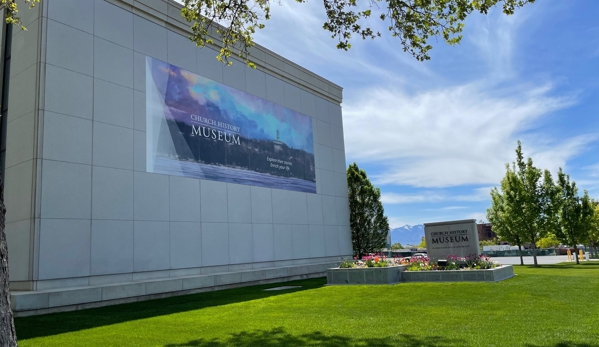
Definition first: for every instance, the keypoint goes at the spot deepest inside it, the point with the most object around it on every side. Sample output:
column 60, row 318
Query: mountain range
column 407, row 234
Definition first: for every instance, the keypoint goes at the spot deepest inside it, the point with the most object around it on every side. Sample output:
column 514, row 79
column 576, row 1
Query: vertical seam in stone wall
column 251, row 222
column 308, row 225
column 200, row 222
column 35, row 231
column 168, row 223
column 91, row 181
column 272, row 226
column 168, row 176
column 146, row 126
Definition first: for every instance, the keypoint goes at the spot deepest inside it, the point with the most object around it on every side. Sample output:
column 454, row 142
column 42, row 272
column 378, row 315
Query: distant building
column 485, row 232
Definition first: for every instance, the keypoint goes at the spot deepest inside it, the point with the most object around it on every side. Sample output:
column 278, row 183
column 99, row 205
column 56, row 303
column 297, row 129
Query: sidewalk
column 528, row 260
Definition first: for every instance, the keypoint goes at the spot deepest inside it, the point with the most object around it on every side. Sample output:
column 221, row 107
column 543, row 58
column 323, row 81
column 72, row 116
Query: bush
column 471, row 262
column 479, row 262
column 347, row 264
column 452, row 265
column 381, row 263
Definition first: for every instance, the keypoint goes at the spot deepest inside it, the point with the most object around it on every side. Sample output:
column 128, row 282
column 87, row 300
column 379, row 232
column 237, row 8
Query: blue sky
column 435, row 135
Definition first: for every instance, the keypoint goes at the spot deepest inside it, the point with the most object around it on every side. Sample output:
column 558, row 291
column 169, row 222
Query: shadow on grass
column 566, row 344
column 278, row 337
column 567, row 266
column 59, row 323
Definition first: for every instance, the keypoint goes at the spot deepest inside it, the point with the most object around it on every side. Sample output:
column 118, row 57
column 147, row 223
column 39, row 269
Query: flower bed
column 370, row 262
column 381, row 270
column 454, row 263
column 368, row 270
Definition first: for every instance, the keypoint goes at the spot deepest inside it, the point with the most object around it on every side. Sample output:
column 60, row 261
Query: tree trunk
column 8, row 335
column 534, row 253
column 520, row 251
column 576, row 253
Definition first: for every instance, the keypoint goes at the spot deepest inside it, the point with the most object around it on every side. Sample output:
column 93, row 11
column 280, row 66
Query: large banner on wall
column 203, row 129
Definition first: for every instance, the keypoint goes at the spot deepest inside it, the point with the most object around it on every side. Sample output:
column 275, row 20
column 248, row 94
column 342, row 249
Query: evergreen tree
column 369, row 225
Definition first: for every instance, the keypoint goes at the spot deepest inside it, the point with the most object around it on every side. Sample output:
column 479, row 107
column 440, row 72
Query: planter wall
column 375, row 275
column 491, row 275
column 396, row 274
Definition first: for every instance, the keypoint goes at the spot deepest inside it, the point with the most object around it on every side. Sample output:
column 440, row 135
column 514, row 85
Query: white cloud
column 447, row 208
column 460, row 134
column 295, row 31
column 395, row 222
column 495, row 38
column 593, row 170
column 393, row 198
column 478, row 194
column 452, row 136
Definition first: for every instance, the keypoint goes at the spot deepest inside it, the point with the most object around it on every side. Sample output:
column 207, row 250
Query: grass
column 551, row 306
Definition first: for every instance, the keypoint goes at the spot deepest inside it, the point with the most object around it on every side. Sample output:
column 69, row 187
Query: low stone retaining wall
column 490, row 275
column 397, row 274
column 31, row 303
column 373, row 275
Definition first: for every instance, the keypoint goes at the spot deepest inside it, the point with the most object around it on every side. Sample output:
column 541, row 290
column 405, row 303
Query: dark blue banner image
column 203, row 129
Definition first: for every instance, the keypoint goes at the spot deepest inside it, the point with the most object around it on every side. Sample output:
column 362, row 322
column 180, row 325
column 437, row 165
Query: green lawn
column 555, row 306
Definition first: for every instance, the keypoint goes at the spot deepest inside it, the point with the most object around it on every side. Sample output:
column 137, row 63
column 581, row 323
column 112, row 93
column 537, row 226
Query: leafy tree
column 550, row 240
column 422, row 243
column 396, row 246
column 413, row 22
column 574, row 213
column 525, row 201
column 369, row 225
column 502, row 223
column 12, row 10
column 594, row 231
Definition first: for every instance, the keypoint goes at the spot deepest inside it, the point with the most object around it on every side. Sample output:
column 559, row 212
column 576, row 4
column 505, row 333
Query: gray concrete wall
column 23, row 121
column 79, row 198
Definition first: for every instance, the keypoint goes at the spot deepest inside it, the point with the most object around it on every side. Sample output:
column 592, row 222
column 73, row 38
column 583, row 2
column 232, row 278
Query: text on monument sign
column 457, row 238
column 449, row 236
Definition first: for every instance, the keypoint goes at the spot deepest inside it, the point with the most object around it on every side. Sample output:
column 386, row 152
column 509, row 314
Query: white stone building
column 88, row 224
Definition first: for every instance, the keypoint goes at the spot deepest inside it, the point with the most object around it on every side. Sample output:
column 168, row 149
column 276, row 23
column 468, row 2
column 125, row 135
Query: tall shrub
column 369, row 225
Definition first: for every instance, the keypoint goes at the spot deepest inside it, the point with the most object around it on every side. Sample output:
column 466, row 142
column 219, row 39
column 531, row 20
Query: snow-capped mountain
column 407, row 234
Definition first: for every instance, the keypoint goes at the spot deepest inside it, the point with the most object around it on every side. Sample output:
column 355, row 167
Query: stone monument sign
column 459, row 238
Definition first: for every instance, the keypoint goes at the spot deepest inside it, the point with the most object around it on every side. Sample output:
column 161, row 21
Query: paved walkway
column 528, row 260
